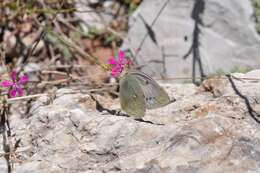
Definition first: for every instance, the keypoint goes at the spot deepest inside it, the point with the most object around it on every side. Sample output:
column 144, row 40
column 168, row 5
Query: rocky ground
column 211, row 128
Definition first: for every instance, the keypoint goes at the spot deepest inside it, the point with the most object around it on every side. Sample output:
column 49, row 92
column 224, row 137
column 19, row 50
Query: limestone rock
column 92, row 19
column 202, row 132
column 213, row 31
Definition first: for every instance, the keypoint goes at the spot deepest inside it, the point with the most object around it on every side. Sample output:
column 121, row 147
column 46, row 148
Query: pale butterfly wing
column 131, row 96
column 155, row 95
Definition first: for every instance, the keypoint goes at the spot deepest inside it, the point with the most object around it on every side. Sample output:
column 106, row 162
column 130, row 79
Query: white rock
column 228, row 38
column 65, row 136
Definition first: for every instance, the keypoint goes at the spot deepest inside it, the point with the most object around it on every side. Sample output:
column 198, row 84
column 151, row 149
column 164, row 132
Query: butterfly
column 139, row 92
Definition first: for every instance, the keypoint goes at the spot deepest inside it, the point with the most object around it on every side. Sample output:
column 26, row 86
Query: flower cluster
column 15, row 85
column 118, row 64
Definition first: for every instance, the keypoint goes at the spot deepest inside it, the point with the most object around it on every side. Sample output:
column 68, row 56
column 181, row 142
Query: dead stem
column 6, row 133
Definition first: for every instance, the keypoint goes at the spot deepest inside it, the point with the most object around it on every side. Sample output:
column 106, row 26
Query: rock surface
column 212, row 31
column 208, row 129
column 97, row 20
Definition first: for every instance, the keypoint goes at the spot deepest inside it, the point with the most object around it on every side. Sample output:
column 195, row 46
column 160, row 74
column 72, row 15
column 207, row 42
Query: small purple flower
column 118, row 64
column 15, row 85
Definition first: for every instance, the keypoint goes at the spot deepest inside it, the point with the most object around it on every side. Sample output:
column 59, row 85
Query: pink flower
column 118, row 64
column 15, row 85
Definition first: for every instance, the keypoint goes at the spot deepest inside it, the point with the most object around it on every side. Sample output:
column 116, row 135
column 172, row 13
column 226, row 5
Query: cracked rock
column 202, row 133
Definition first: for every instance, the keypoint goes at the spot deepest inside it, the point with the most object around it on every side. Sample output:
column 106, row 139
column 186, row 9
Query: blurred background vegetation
column 46, row 40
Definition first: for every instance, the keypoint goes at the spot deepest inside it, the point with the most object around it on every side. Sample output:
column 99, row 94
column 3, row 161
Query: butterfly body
column 139, row 92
